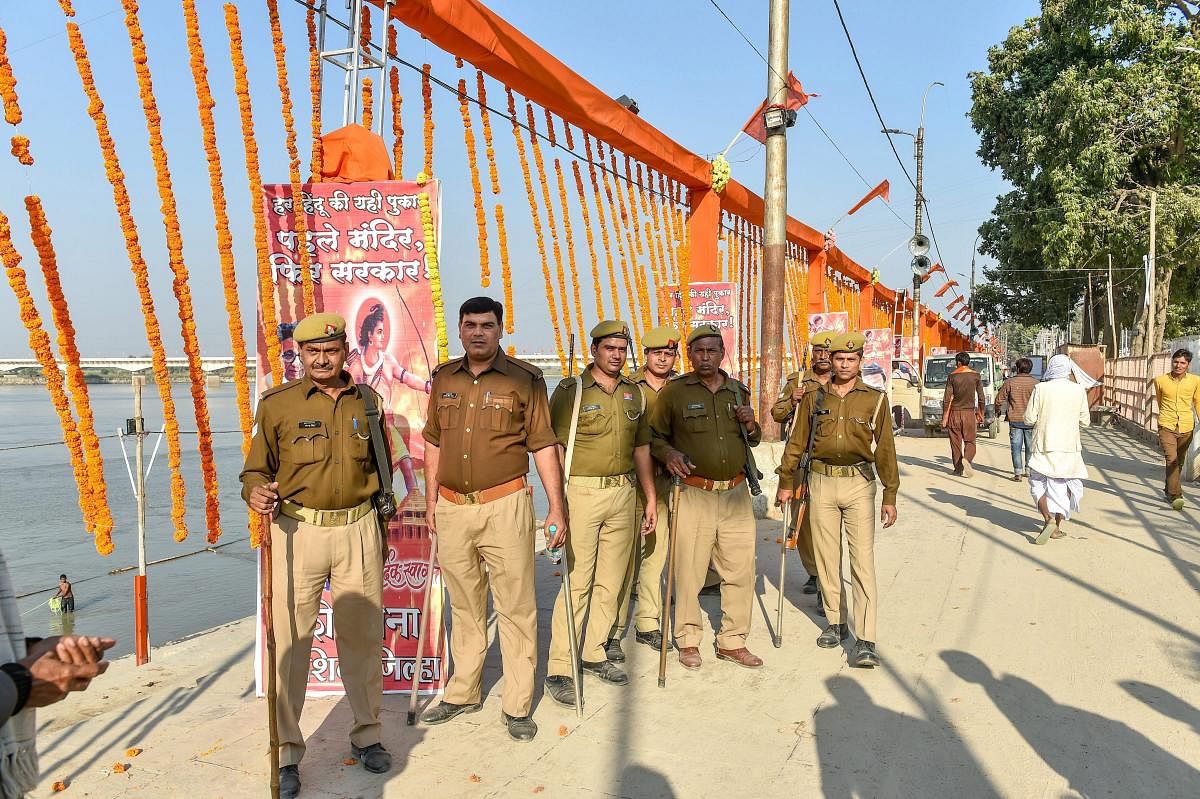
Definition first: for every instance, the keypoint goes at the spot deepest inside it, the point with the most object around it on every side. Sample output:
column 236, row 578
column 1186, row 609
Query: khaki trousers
column 714, row 527
column 599, row 544
column 304, row 556
column 501, row 533
column 962, row 429
column 804, row 541
column 1175, row 447
column 649, row 555
column 849, row 500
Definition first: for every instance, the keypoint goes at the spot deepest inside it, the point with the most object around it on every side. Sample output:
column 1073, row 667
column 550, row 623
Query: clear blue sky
column 692, row 75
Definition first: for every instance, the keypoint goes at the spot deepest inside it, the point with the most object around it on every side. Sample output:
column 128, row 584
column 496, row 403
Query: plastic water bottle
column 553, row 553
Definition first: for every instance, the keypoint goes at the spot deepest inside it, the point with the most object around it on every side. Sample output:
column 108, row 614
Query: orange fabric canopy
column 354, row 154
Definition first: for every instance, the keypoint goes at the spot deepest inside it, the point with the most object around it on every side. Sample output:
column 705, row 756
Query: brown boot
column 741, row 656
column 689, row 657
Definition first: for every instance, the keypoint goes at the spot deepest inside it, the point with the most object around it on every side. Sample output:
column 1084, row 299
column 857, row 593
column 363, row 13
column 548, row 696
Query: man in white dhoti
column 1057, row 409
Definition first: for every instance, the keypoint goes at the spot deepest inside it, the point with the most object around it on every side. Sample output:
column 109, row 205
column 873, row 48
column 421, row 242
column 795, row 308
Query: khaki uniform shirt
column 701, row 424
column 486, row 426
column 317, row 447
column 781, row 411
column 844, row 435
column 610, row 425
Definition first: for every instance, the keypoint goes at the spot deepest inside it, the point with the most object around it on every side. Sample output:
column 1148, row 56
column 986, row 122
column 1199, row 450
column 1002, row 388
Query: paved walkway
column 1010, row 670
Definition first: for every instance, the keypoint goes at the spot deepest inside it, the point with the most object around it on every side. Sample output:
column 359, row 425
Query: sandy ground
column 1010, row 670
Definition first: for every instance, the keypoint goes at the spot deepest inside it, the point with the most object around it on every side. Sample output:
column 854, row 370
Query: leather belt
column 605, row 481
column 714, row 485
column 484, row 495
column 831, row 470
column 325, row 518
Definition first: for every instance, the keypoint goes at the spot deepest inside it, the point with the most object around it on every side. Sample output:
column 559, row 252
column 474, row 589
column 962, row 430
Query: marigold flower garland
column 8, row 84
column 608, row 259
column 397, row 100
column 685, row 295
column 431, row 264
column 633, row 233
column 20, row 150
column 137, row 263
column 100, row 521
column 617, row 234
column 587, row 224
column 233, row 310
column 314, row 88
column 485, row 124
column 485, row 276
column 266, row 283
column 427, row 99
column 537, row 227
column 551, row 221
column 629, row 186
column 485, row 121
column 39, row 342
column 368, row 102
column 66, row 7
column 300, row 220
column 568, row 233
column 505, row 269
column 183, row 292
column 668, row 209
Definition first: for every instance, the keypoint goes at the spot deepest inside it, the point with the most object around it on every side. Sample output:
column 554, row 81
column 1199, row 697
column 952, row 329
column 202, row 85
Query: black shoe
column 810, row 587
column 606, row 670
column 289, row 782
column 711, row 590
column 561, row 689
column 444, row 711
column 519, row 728
column 834, row 634
column 652, row 639
column 613, row 651
column 864, row 655
column 374, row 758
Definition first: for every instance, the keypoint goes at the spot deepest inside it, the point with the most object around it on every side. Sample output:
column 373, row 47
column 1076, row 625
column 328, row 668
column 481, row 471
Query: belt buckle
column 470, row 499
column 338, row 517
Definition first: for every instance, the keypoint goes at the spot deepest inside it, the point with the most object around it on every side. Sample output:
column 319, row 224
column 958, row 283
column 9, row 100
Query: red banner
column 877, row 358
column 712, row 303
column 368, row 245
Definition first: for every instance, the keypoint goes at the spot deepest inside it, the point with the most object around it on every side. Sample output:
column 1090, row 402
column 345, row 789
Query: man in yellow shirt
column 1178, row 394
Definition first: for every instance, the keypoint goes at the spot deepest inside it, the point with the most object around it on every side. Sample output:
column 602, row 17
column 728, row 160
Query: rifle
column 749, row 468
column 791, row 527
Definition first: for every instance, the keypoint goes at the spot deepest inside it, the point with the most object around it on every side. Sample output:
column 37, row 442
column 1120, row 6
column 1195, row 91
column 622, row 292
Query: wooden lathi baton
column 272, row 658
column 421, row 625
column 665, row 625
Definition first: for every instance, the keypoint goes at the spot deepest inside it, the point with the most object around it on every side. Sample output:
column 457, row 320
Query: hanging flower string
column 8, row 84
column 397, row 100
column 485, row 123
column 587, row 224
column 299, row 220
column 633, row 210
column 505, row 269
column 368, row 102
column 537, row 227
column 485, row 275
column 431, row 264
column 568, row 233
column 20, row 150
column 608, row 259
column 137, row 263
column 427, row 99
column 551, row 221
column 39, row 231
column 617, row 235
column 314, row 88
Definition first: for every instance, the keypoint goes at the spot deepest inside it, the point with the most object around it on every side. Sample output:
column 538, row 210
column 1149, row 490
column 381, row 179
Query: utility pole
column 1151, row 275
column 1112, row 316
column 974, row 247
column 774, row 222
column 1091, row 337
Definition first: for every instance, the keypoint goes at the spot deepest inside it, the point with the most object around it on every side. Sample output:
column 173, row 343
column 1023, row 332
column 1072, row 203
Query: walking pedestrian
column 611, row 453
column 783, row 412
column 963, row 406
column 487, row 412
column 660, row 348
column 311, row 462
column 1057, row 409
column 1015, row 394
column 697, row 429
column 1178, row 395
column 853, row 442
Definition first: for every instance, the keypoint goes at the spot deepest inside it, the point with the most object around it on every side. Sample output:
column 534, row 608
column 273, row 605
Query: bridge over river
column 210, row 364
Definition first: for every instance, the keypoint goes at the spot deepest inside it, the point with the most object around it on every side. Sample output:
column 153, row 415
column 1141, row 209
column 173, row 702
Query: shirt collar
column 588, row 379
column 307, row 384
column 500, row 363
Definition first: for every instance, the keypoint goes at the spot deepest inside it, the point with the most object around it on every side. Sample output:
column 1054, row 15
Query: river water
column 42, row 534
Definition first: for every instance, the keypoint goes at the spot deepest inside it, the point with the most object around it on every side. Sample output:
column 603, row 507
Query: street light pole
column 974, row 248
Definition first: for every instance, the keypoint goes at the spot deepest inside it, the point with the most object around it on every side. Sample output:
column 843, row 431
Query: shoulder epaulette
column 443, row 365
column 270, row 392
column 794, row 376
column 527, row 366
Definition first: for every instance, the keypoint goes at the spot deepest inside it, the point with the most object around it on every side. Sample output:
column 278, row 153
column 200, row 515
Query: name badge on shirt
column 449, row 395
column 310, row 424
column 590, row 408
column 695, row 406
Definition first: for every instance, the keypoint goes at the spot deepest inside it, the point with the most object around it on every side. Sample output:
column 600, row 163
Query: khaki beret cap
column 847, row 342
column 610, row 328
column 703, row 331
column 659, row 337
column 319, row 327
column 823, row 339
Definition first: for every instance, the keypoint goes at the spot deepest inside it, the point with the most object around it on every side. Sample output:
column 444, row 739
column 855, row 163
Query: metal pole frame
column 354, row 59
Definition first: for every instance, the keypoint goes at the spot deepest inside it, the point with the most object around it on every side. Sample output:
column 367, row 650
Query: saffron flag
column 946, row 288
column 935, row 268
column 883, row 190
column 756, row 129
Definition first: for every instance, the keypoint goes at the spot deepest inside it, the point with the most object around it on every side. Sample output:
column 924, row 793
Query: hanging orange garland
column 587, row 225
column 685, row 294
column 397, row 101
column 551, row 221
column 300, row 221
column 431, row 265
column 633, row 209
column 608, row 259
column 505, row 269
column 668, row 211
column 537, row 227
column 66, row 7
column 40, row 233
column 485, row 275
column 39, row 342
column 137, row 264
column 368, row 103
column 486, row 124
column 617, row 234
column 633, row 234
column 8, row 84
column 568, row 233
column 314, row 88
column 20, row 150
column 364, row 29
column 427, row 99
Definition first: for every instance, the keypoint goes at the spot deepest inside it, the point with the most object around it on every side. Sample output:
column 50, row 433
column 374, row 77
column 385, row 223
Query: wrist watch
column 22, row 679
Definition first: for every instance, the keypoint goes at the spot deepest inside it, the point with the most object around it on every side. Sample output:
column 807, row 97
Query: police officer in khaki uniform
column 853, row 441
column 611, row 453
column 487, row 412
column 782, row 412
column 311, row 461
column 660, row 347
column 696, row 427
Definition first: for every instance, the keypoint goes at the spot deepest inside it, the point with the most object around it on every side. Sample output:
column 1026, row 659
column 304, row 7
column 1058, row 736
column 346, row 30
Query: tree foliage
column 1085, row 109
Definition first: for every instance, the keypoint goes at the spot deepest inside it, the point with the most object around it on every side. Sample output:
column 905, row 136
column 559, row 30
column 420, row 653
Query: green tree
column 1086, row 110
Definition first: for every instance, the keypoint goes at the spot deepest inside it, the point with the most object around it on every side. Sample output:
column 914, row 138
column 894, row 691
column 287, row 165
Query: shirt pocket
column 593, row 420
column 449, row 410
column 696, row 420
column 360, row 446
column 499, row 413
column 306, row 448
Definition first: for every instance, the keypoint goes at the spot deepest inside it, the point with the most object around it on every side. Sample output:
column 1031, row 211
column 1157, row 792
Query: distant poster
column 877, row 357
column 906, row 349
column 831, row 322
column 712, row 303
column 367, row 244
column 939, row 351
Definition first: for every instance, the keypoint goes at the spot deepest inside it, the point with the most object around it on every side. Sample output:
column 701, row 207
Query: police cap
column 703, row 331
column 823, row 339
column 847, row 342
column 319, row 327
column 660, row 338
column 610, row 329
